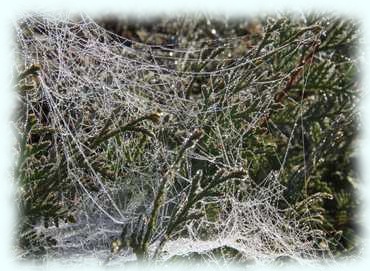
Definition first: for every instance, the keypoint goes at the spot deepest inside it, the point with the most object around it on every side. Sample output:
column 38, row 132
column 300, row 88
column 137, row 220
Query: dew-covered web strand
column 77, row 143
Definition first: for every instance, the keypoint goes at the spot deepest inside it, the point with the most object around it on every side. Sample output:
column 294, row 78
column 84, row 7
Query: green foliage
column 37, row 171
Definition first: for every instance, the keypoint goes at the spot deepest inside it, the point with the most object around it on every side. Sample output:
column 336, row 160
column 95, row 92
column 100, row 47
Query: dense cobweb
column 89, row 76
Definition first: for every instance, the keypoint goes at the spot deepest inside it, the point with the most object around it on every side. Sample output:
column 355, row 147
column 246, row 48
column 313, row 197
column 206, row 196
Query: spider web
column 90, row 75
